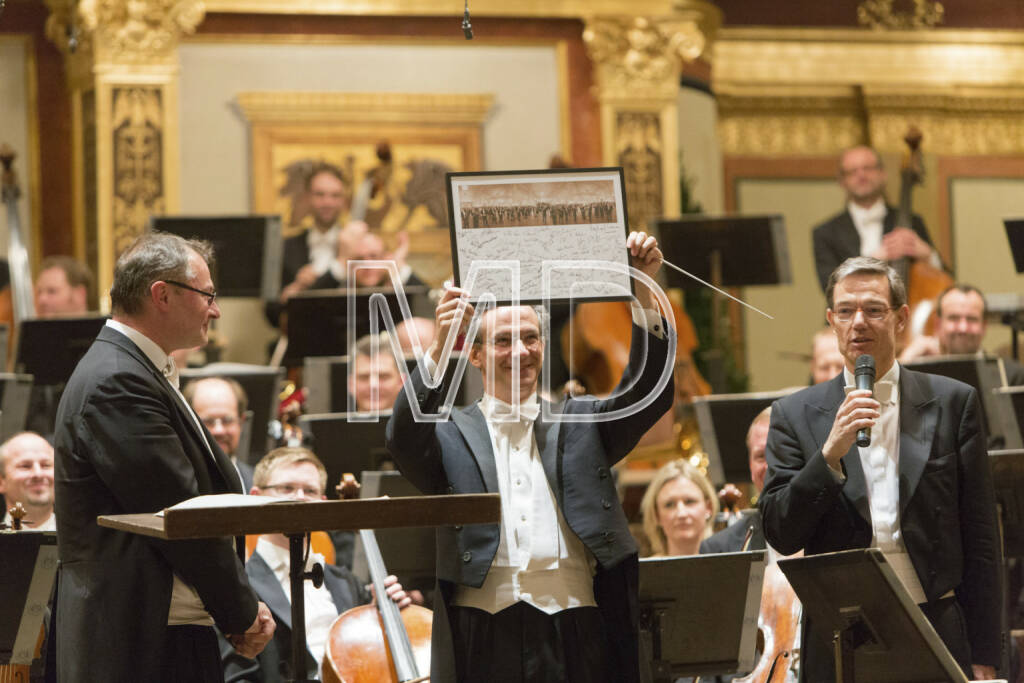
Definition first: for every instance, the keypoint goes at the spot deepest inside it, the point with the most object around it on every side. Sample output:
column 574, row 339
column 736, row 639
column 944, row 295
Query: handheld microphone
column 864, row 377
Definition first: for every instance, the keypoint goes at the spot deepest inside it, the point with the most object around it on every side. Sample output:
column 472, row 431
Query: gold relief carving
column 642, row 57
column 774, row 134
column 952, row 135
column 137, row 132
column 335, row 107
column 881, row 15
column 639, row 151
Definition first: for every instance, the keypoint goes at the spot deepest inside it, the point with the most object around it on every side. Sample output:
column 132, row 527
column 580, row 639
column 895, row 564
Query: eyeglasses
column 505, row 341
column 226, row 421
column 844, row 313
column 210, row 296
column 292, row 489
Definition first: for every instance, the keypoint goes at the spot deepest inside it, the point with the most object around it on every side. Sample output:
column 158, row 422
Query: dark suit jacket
column 730, row 539
column 274, row 663
column 456, row 457
column 837, row 239
column 126, row 444
column 947, row 505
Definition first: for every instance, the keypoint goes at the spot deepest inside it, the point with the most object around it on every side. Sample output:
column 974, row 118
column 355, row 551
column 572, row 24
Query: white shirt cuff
column 650, row 320
column 935, row 260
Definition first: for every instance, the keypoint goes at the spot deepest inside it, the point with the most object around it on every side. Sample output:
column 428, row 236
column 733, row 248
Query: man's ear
column 902, row 316
column 160, row 295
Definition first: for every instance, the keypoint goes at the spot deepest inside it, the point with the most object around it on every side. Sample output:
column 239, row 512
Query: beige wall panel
column 979, row 240
column 15, row 109
column 522, row 132
column 701, row 153
column 799, row 308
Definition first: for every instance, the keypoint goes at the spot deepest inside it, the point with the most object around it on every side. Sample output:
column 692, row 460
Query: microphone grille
column 865, row 365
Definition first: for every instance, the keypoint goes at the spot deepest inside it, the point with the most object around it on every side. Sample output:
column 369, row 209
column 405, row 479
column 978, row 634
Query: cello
column 377, row 643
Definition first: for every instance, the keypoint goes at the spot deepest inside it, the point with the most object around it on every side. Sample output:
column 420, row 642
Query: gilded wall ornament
column 640, row 54
column 639, row 152
column 137, row 127
column 139, row 30
column 882, row 15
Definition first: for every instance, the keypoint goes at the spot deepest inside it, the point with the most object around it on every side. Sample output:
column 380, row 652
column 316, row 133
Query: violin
column 377, row 643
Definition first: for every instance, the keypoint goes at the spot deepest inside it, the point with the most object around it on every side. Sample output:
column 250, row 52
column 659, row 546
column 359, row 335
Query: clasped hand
column 252, row 642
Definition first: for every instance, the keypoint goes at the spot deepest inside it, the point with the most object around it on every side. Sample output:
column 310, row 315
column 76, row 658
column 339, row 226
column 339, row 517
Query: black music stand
column 239, row 243
column 1008, row 480
column 346, row 446
column 408, row 552
column 723, row 420
column 727, row 251
column 880, row 635
column 984, row 374
column 1015, row 236
column 318, row 319
column 698, row 614
column 15, row 391
column 262, row 385
column 1016, row 398
column 28, row 564
column 50, row 348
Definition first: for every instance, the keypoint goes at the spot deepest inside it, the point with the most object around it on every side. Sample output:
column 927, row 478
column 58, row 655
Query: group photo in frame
column 501, row 218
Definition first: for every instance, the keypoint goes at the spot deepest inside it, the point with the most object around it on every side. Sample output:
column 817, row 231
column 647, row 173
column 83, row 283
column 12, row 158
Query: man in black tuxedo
column 550, row 594
column 921, row 491
column 867, row 227
column 131, row 608
column 731, row 538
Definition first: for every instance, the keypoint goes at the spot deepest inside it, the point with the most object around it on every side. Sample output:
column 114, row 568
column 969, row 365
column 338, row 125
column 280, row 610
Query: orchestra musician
column 921, row 491
column 221, row 404
column 678, row 509
column 867, row 226
column 296, row 474
column 132, row 608
column 550, row 594
column 26, row 477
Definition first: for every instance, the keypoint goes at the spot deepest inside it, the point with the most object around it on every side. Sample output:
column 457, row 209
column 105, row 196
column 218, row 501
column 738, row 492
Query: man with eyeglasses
column 867, row 225
column 921, row 491
column 550, row 593
column 221, row 402
column 296, row 474
column 131, row 608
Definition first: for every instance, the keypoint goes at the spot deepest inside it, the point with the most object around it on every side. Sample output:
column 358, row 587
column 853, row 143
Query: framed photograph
column 516, row 233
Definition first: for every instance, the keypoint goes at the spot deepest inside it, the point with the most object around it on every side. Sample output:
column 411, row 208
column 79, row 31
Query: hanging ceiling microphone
column 467, row 28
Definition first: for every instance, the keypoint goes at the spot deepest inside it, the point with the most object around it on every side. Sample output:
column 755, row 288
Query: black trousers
column 945, row 615
column 521, row 644
column 191, row 655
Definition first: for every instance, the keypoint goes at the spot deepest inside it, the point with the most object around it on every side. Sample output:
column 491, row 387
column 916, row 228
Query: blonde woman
column 678, row 509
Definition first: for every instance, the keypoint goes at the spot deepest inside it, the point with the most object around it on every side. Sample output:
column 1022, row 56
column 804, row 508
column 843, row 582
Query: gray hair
column 869, row 266
column 152, row 257
column 543, row 318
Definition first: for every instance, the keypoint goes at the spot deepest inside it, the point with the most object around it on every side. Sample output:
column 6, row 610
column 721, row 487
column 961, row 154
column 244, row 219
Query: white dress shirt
column 320, row 608
column 186, row 605
column 880, row 462
column 870, row 225
column 539, row 559
column 323, row 252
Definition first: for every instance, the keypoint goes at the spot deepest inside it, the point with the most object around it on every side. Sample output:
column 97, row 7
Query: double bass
column 377, row 643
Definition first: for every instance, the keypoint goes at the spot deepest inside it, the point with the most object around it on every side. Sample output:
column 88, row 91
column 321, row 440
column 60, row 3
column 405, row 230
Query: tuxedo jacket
column 126, row 443
column 946, row 502
column 456, row 456
column 837, row 239
column 730, row 539
column 274, row 664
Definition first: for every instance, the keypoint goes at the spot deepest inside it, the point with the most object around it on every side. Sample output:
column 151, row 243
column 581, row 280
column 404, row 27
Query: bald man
column 26, row 477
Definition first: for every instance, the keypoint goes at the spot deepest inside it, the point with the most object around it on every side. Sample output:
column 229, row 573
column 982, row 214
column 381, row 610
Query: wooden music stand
column 296, row 519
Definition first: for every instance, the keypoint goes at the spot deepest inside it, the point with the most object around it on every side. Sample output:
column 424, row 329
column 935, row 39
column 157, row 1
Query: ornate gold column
column 122, row 64
column 638, row 61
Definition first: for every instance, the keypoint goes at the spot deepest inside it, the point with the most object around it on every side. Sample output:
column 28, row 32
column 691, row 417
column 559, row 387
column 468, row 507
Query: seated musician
column 376, row 381
column 731, row 538
column 679, row 508
column 220, row 403
column 826, row 361
column 961, row 327
column 26, row 477
column 298, row 474
column 62, row 287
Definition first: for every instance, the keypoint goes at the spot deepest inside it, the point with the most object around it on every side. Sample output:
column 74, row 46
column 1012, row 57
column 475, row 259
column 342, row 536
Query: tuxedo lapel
column 269, row 589
column 473, row 427
column 847, row 235
column 821, row 417
column 919, row 415
column 546, row 434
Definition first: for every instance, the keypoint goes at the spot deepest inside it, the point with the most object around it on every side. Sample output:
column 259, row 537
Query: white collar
column 876, row 211
column 496, row 410
column 328, row 237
